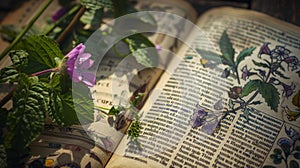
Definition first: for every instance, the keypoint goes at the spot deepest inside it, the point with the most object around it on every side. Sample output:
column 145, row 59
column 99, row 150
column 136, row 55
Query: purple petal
column 88, row 78
column 76, row 76
column 59, row 13
column 84, row 57
column 87, row 64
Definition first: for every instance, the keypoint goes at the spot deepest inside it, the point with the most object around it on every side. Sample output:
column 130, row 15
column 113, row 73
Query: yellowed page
column 168, row 137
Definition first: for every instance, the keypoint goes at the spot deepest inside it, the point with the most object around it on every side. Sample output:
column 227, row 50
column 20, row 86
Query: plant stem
column 71, row 25
column 237, row 75
column 24, row 31
column 101, row 108
column 44, row 72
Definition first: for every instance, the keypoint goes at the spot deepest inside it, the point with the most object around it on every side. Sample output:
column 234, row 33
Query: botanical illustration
column 288, row 149
column 267, row 78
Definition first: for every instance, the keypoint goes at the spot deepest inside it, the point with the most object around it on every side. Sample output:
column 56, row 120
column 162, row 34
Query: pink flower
column 77, row 64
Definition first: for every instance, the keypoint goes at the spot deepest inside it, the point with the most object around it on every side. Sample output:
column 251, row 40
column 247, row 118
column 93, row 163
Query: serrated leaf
column 137, row 44
column 227, row 49
column 26, row 120
column 8, row 74
column 42, row 51
column 270, row 94
column 293, row 164
column 61, row 109
column 250, row 86
column 19, row 59
column 92, row 17
column 260, row 64
column 243, row 54
column 97, row 4
column 208, row 55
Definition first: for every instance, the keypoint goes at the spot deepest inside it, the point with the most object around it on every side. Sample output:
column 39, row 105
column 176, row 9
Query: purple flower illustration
column 280, row 53
column 198, row 118
column 59, row 13
column 264, row 50
column 208, row 121
column 246, row 73
column 292, row 62
column 288, row 90
column 77, row 64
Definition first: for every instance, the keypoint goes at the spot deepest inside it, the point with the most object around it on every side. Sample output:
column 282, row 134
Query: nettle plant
column 43, row 75
column 266, row 79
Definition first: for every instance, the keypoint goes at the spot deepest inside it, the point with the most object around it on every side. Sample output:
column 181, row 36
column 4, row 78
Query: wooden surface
column 287, row 10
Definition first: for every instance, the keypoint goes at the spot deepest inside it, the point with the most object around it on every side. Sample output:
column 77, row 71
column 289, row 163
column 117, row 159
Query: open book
column 205, row 108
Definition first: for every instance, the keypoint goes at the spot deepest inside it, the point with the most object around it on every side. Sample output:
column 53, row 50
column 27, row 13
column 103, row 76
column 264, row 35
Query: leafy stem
column 24, row 31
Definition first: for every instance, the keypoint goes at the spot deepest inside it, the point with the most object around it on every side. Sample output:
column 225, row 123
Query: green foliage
column 137, row 44
column 92, row 17
column 250, row 86
column 113, row 111
column 260, row 64
column 227, row 50
column 42, row 51
column 26, row 120
column 134, row 130
column 270, row 94
column 19, row 59
column 212, row 56
column 97, row 4
column 122, row 7
column 243, row 54
column 267, row 90
column 8, row 74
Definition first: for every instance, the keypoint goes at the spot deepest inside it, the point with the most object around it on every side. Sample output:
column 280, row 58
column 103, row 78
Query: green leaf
column 19, row 59
column 26, row 120
column 122, row 7
column 250, row 86
column 61, row 109
column 97, row 4
column 243, row 54
column 8, row 74
column 227, row 49
column 42, row 51
column 270, row 94
column 113, row 111
column 260, row 64
column 297, row 155
column 92, row 17
column 293, row 164
column 208, row 55
column 137, row 44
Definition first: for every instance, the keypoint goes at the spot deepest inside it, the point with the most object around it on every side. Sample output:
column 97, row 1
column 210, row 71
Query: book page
column 92, row 145
column 175, row 132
